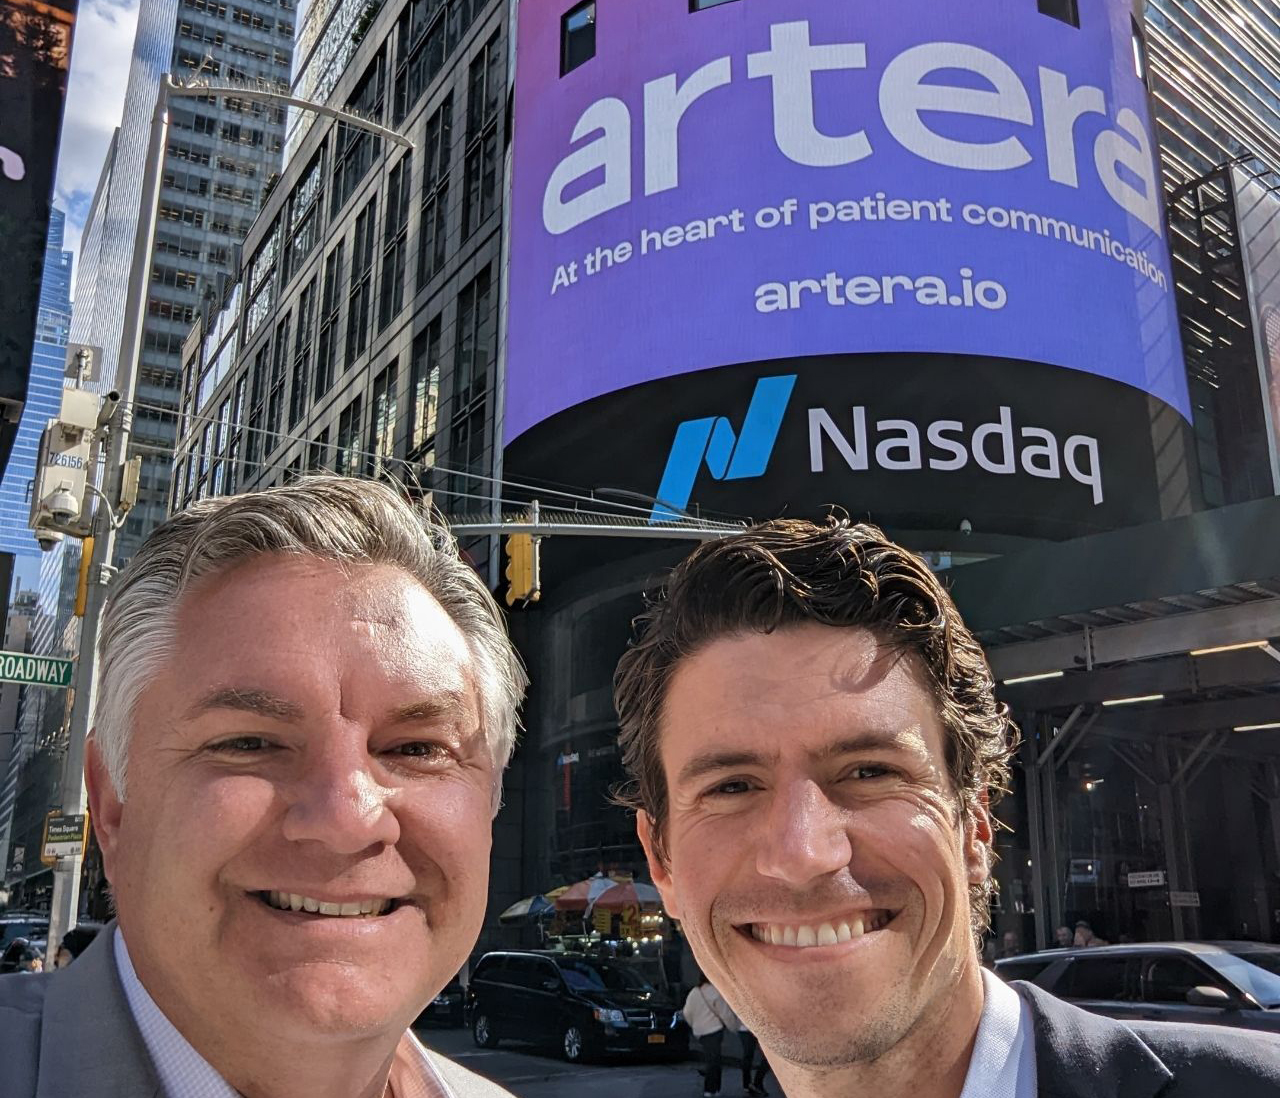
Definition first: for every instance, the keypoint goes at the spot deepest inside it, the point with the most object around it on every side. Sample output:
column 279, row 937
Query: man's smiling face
column 814, row 850
column 305, row 838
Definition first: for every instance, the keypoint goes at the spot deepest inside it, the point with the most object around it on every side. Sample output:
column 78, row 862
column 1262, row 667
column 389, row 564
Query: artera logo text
column 999, row 446
column 912, row 90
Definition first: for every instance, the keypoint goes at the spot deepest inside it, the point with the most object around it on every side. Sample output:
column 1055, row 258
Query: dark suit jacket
column 1083, row 1055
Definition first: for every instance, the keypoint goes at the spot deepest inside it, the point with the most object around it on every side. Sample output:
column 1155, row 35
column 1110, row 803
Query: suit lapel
column 89, row 1043
column 1083, row 1055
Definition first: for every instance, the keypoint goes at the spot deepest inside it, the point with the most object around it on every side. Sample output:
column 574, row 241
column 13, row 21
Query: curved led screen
column 773, row 178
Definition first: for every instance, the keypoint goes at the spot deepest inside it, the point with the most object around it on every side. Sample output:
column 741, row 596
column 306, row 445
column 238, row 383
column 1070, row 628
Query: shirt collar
column 1003, row 1064
column 184, row 1073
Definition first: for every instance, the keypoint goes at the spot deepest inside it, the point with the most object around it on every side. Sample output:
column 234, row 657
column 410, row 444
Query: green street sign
column 35, row 670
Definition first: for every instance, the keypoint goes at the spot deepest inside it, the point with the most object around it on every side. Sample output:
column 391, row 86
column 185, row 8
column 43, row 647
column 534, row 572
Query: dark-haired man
column 816, row 748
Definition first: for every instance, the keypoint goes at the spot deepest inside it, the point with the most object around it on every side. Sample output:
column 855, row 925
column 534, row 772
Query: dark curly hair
column 790, row 572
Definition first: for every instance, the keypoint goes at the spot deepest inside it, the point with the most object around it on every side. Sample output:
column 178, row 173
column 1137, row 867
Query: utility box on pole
column 62, row 464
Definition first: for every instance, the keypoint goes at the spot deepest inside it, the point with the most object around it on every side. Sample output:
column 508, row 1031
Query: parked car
column 581, row 1005
column 1221, row 983
column 23, row 924
column 19, row 954
column 446, row 1008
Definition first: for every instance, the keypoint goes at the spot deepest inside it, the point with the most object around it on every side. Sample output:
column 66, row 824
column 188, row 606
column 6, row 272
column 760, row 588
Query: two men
column 816, row 748
column 307, row 703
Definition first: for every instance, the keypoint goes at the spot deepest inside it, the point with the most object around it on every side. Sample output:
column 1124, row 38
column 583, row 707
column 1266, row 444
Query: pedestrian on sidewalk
column 753, row 1072
column 708, row 1016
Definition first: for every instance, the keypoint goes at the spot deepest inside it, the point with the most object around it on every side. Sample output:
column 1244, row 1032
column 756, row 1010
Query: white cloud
column 100, row 58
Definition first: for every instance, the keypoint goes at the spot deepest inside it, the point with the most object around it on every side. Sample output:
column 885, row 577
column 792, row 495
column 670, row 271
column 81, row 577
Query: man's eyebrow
column 711, row 761
column 259, row 702
column 872, row 740
column 449, row 704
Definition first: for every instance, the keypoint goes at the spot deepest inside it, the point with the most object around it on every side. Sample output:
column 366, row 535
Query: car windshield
column 583, row 975
column 1256, row 971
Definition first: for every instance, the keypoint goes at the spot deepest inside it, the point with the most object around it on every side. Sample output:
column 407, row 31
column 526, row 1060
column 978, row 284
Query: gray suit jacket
column 1083, row 1055
column 70, row 1034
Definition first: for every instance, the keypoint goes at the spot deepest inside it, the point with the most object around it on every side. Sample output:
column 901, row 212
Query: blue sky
column 95, row 98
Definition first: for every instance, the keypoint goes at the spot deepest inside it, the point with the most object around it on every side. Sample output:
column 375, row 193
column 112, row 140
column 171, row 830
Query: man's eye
column 731, row 788
column 870, row 772
column 422, row 749
column 238, row 745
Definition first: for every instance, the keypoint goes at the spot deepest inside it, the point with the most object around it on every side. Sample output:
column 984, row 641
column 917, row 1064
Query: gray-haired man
column 307, row 703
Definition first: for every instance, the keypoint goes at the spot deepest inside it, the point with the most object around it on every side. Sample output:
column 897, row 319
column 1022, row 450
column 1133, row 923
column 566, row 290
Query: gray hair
column 339, row 519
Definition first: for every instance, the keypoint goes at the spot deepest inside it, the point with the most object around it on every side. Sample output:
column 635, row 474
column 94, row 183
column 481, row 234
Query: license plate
column 657, row 1038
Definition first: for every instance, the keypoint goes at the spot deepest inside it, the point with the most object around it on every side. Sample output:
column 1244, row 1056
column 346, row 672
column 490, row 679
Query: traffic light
column 522, row 571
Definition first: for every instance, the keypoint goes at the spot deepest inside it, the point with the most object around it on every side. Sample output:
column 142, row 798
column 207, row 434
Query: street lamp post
column 65, row 905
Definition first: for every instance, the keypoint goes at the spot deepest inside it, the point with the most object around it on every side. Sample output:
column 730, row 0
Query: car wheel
column 573, row 1044
column 482, row 1031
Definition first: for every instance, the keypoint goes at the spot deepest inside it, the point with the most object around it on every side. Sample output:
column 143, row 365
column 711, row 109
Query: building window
column 318, row 452
column 577, row 37
column 356, row 150
column 302, row 355
column 422, row 48
column 484, row 100
column 304, row 216
column 237, row 433
column 476, row 338
column 382, row 426
column 361, row 293
column 433, row 232
column 254, row 446
column 275, row 393
column 329, row 305
column 424, row 393
column 1066, row 11
column 467, row 449
column 347, row 460
column 395, row 241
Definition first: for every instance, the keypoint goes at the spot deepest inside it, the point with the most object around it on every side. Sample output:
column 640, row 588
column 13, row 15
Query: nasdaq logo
column 726, row 454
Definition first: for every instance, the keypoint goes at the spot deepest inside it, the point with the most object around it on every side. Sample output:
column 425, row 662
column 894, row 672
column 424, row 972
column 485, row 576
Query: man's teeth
column 819, row 934
column 291, row 901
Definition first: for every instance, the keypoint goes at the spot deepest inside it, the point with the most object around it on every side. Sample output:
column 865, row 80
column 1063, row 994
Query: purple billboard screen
column 770, row 179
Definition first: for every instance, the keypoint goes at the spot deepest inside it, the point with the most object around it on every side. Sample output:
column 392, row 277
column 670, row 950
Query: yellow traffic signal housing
column 524, row 582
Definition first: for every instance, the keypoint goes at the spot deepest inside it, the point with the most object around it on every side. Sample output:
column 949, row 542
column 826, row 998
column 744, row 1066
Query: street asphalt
column 529, row 1072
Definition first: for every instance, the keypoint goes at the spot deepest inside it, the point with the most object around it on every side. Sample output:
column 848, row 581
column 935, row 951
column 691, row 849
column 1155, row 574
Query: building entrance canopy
column 1144, row 669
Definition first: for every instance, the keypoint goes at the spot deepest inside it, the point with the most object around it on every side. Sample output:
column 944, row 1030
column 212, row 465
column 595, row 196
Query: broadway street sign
column 34, row 670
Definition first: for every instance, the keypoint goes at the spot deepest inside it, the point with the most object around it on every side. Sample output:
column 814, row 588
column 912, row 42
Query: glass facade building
column 222, row 152
column 44, row 392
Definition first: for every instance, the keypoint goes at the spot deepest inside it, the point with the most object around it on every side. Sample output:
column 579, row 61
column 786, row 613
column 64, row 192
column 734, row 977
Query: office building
column 223, row 150
column 44, row 392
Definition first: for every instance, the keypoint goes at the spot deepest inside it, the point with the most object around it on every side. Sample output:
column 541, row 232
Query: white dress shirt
column 184, row 1073
column 1003, row 1064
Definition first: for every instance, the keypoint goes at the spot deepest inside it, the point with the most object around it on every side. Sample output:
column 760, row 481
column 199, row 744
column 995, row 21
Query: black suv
column 1221, row 983
column 581, row 1005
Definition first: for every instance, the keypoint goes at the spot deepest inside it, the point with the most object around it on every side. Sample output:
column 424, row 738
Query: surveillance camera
column 966, row 527
column 47, row 540
column 64, row 508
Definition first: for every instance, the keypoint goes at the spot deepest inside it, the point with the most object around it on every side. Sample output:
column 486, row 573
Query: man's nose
column 805, row 835
column 340, row 803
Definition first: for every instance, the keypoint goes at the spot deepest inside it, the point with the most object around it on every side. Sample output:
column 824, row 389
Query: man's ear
column 105, row 806
column 978, row 834
column 658, row 869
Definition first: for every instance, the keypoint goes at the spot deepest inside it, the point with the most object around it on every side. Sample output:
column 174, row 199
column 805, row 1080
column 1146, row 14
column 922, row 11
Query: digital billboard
column 35, row 47
column 836, row 190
